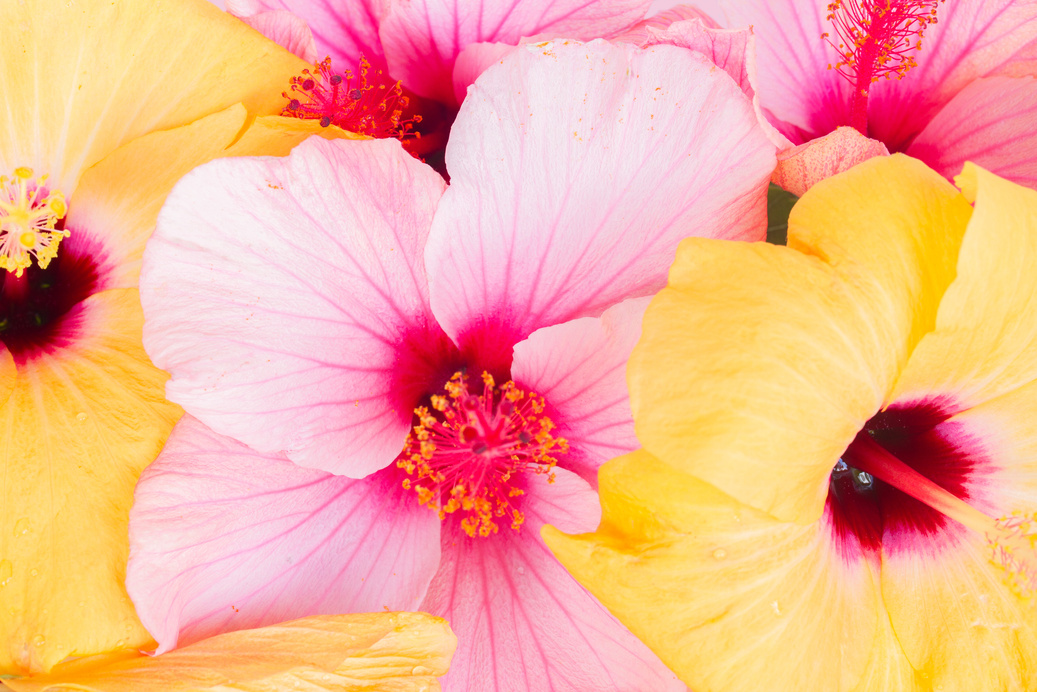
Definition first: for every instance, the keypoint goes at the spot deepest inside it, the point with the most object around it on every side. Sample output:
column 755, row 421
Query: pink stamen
column 876, row 39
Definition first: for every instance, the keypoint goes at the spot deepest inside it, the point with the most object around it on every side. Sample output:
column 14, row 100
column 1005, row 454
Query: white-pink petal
column 522, row 623
column 991, row 122
column 422, row 38
column 343, row 29
column 287, row 30
column 575, row 171
column 580, row 369
column 288, row 299
column 223, row 538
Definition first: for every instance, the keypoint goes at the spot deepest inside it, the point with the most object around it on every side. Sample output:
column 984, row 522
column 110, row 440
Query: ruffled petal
column 729, row 597
column 865, row 285
column 990, row 123
column 575, row 170
column 286, row 30
column 580, row 369
column 802, row 167
column 223, row 538
column 985, row 339
column 522, row 622
column 422, row 38
column 123, row 69
column 639, row 34
column 80, row 425
column 397, row 652
column 288, row 299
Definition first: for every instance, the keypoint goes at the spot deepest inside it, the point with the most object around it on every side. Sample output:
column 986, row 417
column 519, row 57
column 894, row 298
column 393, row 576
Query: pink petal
column 522, row 622
column 343, row 29
column 473, row 61
column 575, row 171
column 580, row 369
column 802, row 167
column 639, row 34
column 288, row 299
column 422, row 38
column 287, row 30
column 972, row 38
column 223, row 538
column 991, row 122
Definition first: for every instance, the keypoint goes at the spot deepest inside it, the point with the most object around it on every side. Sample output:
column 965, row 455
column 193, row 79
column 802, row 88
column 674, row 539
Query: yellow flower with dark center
column 838, row 478
column 104, row 106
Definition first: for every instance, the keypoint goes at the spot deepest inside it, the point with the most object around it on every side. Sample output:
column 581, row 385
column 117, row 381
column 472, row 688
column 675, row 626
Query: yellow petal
column 985, row 341
column 8, row 374
column 119, row 198
column 80, row 78
column 730, row 598
column 367, row 652
column 758, row 365
column 79, row 427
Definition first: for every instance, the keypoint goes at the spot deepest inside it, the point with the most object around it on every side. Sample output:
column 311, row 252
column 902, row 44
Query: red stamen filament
column 465, row 453
column 876, row 39
column 364, row 102
column 1012, row 539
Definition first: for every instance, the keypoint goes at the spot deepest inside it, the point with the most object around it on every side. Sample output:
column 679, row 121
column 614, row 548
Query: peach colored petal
column 802, row 167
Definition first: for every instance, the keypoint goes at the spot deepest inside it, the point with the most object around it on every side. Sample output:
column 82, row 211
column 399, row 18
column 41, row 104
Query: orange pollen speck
column 29, row 213
column 365, row 102
column 464, row 454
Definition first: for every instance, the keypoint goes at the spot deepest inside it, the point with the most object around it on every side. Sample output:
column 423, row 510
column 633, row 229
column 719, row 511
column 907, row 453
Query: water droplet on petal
column 34, row 572
column 521, row 570
column 775, row 607
column 39, row 640
column 22, row 527
column 719, row 554
column 6, row 569
column 80, row 416
column 421, row 670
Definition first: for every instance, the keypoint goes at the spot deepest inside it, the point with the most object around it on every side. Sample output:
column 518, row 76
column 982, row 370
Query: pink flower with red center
column 944, row 82
column 392, row 384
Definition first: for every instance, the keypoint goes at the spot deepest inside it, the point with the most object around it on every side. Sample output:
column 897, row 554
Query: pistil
column 1011, row 539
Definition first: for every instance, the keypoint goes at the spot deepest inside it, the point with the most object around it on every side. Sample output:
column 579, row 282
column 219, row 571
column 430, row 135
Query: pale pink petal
column 580, row 369
column 422, row 38
column 288, row 299
column 223, row 538
column 343, row 29
column 473, row 61
column 973, row 38
column 991, row 122
column 575, row 171
column 287, row 30
column 639, row 35
column 802, row 167
column 522, row 623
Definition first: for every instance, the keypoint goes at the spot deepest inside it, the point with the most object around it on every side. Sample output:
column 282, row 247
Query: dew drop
column 521, row 570
column 80, row 416
column 775, row 607
column 34, row 572
column 863, row 479
column 421, row 670
column 6, row 570
column 22, row 527
column 719, row 554
column 39, row 640
column 840, row 466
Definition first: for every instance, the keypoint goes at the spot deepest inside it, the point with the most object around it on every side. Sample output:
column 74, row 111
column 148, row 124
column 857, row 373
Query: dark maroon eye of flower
column 37, row 308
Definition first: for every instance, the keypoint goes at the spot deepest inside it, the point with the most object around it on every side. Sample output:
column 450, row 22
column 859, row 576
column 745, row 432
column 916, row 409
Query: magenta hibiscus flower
column 971, row 94
column 392, row 384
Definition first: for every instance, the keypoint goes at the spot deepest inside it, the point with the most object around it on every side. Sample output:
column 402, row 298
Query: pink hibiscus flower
column 971, row 96
column 392, row 384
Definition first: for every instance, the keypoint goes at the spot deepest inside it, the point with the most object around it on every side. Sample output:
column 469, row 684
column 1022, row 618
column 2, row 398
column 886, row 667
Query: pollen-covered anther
column 366, row 102
column 29, row 213
column 1013, row 545
column 465, row 453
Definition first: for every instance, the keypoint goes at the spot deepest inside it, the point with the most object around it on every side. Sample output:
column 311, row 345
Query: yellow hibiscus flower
column 104, row 106
column 838, row 477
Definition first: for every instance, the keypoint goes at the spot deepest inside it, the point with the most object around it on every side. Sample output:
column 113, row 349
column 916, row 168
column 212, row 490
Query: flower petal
column 798, row 388
column 640, row 33
column 579, row 367
column 575, row 170
column 991, row 123
column 123, row 69
column 983, row 344
column 401, row 652
column 802, row 167
column 286, row 30
column 223, row 538
column 342, row 29
column 422, row 38
column 79, row 427
column 521, row 621
column 8, row 374
column 721, row 591
column 283, row 296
